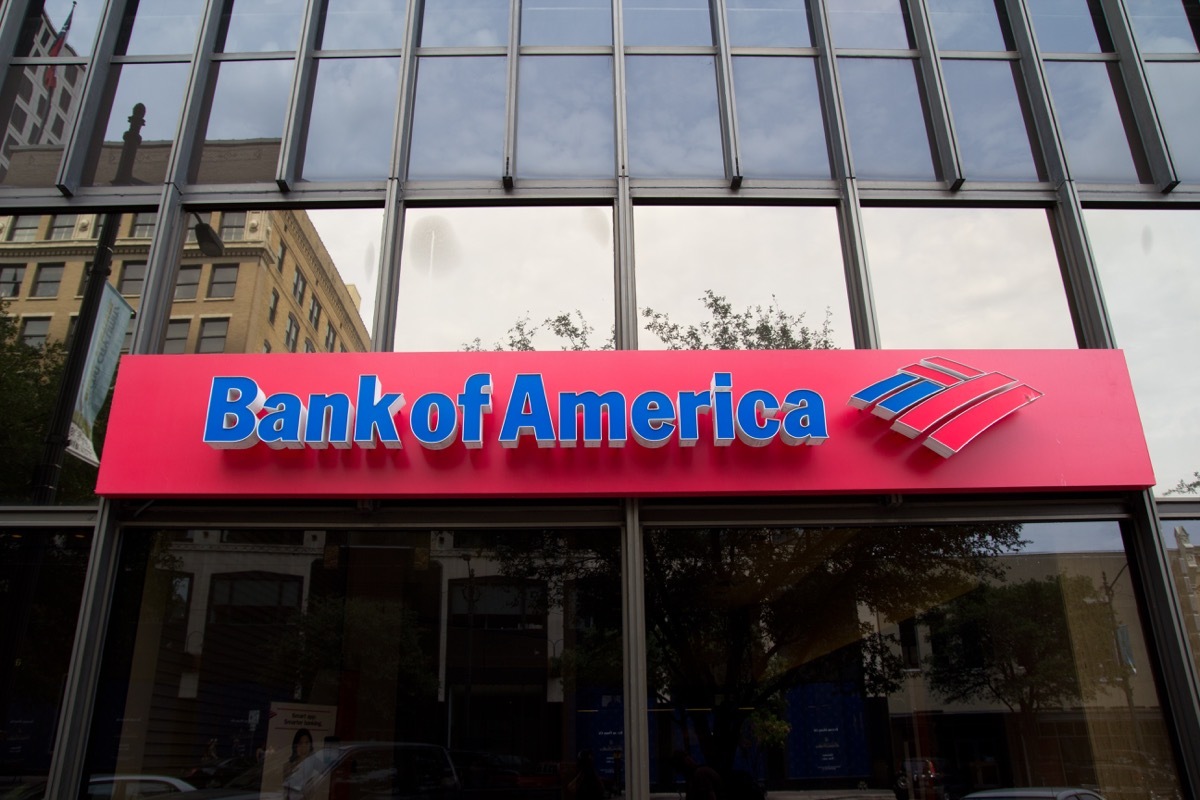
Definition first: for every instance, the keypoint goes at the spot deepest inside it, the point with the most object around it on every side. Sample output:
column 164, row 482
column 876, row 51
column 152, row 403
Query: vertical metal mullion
column 625, row 336
column 12, row 15
column 854, row 248
column 1168, row 637
column 196, row 99
column 69, row 754
column 70, row 169
column 633, row 612
column 162, row 267
column 1083, row 285
column 725, row 93
column 408, row 78
column 1037, row 91
column 1137, row 89
column 930, row 65
column 295, row 124
column 510, row 99
column 387, row 291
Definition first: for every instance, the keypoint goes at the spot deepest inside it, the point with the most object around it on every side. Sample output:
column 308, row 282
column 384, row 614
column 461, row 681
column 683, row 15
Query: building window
column 223, row 282
column 62, row 226
column 266, row 346
column 299, row 286
column 309, row 347
column 188, row 283
column 233, row 226
column 292, row 335
column 314, row 312
column 330, row 337
column 10, row 281
column 177, row 335
column 133, row 277
column 280, row 256
column 212, row 336
column 46, row 280
column 206, row 218
column 24, row 229
column 143, row 225
column 34, row 331
column 273, row 307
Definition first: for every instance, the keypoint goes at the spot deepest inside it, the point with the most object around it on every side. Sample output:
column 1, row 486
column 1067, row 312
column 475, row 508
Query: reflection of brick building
column 1187, row 584
column 274, row 289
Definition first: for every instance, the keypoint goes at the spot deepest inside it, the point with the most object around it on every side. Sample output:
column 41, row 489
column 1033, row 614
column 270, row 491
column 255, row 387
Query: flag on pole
column 50, row 78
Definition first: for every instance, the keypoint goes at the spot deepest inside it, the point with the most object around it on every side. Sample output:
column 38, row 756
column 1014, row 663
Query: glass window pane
column 768, row 23
column 566, row 22
column 362, row 25
column 1069, row 26
column 464, row 23
column 966, row 277
column 673, row 117
column 781, row 129
column 667, row 22
column 380, row 663
column 886, row 119
column 59, row 28
column 41, row 584
column 163, row 26
column 968, row 25
column 1094, row 126
column 788, row 274
column 159, row 89
column 37, row 106
column 565, row 117
column 260, row 26
column 493, row 279
column 1147, row 265
column 458, row 119
column 245, row 123
column 989, row 120
column 874, row 24
column 1165, row 26
column 881, row 662
column 1176, row 88
column 349, row 91
column 332, row 264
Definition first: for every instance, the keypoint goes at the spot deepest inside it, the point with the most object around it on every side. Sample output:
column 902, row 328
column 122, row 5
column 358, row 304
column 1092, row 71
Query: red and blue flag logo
column 946, row 402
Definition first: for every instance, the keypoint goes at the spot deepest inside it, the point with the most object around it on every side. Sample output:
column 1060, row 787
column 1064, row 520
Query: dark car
column 1035, row 793
column 922, row 779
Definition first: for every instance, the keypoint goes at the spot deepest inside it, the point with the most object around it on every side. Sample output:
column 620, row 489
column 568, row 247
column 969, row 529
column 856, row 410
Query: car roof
column 1031, row 792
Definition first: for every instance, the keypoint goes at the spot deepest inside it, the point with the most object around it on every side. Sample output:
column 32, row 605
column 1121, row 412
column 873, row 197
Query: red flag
column 50, row 78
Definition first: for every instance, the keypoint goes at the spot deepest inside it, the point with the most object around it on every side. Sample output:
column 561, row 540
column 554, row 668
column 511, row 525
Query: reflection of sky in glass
column 1064, row 26
column 747, row 254
column 352, row 237
column 768, row 23
column 886, row 119
column 250, row 99
column 875, row 24
column 1176, row 88
column 673, row 120
column 160, row 88
column 780, row 126
column 566, row 22
column 565, row 117
column 1162, row 26
column 363, row 25
column 966, row 277
column 966, row 25
column 464, row 23
column 1147, row 262
column 260, row 26
column 165, row 26
column 1090, row 122
column 81, row 36
column 667, row 22
column 993, row 140
column 475, row 272
column 1072, row 537
column 1170, row 527
column 350, row 130
column 458, row 119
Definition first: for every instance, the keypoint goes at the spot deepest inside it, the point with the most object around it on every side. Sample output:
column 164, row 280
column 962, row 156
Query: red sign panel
column 378, row 425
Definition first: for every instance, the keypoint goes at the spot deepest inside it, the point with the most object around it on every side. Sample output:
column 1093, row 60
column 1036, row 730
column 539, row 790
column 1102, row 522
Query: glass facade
column 348, row 176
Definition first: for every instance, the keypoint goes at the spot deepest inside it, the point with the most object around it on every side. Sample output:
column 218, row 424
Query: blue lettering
column 690, row 406
column 375, row 419
column 475, row 400
column 232, row 421
column 804, row 418
column 434, row 420
column 652, row 419
column 528, row 412
column 282, row 426
column 330, row 417
column 749, row 407
column 593, row 406
column 723, row 423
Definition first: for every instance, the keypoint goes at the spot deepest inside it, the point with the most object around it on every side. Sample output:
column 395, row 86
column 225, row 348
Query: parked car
column 922, row 779
column 130, row 787
column 1035, row 793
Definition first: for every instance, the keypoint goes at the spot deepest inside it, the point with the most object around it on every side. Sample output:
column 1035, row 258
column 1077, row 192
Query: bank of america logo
column 947, row 402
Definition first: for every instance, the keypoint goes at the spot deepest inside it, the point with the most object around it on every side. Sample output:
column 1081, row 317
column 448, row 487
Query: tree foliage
column 755, row 328
column 1186, row 486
